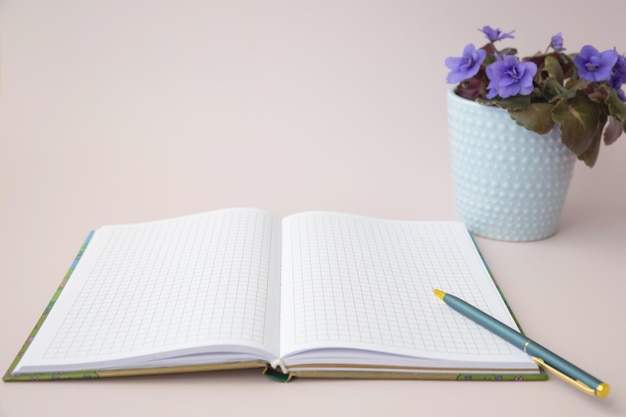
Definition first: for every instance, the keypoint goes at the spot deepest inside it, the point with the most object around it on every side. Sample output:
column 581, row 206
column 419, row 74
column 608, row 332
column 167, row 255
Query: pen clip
column 575, row 382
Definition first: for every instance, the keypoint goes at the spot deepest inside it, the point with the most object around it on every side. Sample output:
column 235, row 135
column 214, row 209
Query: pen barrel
column 522, row 342
column 555, row 361
column 483, row 319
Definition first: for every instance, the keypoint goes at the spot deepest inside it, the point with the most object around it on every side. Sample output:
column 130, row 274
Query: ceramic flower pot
column 509, row 183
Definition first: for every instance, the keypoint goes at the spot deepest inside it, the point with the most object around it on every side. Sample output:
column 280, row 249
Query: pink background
column 122, row 111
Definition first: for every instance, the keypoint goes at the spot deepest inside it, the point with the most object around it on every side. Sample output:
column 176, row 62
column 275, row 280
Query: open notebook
column 315, row 294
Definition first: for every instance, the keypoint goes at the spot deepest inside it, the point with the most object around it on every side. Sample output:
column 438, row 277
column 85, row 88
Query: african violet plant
column 582, row 93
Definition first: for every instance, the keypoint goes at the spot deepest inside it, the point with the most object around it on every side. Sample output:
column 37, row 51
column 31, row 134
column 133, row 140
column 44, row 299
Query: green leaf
column 579, row 119
column 554, row 69
column 617, row 108
column 536, row 117
column 553, row 90
column 576, row 84
column 510, row 103
column 591, row 154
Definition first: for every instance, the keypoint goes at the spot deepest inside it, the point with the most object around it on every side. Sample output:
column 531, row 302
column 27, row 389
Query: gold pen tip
column 439, row 293
column 603, row 390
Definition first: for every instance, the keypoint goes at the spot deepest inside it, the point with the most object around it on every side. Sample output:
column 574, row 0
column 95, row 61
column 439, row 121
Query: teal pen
column 542, row 356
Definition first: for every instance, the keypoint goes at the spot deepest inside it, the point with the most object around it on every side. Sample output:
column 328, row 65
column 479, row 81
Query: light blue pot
column 509, row 183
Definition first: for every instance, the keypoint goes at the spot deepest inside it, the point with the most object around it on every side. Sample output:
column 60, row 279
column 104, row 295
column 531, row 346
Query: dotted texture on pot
column 509, row 183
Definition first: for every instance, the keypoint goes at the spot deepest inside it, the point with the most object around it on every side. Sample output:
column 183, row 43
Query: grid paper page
column 360, row 282
column 153, row 285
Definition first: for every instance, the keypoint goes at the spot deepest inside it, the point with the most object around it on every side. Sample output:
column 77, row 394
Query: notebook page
column 174, row 284
column 362, row 283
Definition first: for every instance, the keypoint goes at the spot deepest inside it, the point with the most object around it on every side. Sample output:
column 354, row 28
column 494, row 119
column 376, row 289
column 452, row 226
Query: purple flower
column 557, row 42
column 466, row 66
column 495, row 34
column 509, row 77
column 594, row 65
column 620, row 68
column 616, row 83
column 618, row 77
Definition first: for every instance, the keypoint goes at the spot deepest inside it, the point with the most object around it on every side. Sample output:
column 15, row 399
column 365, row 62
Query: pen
column 542, row 356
